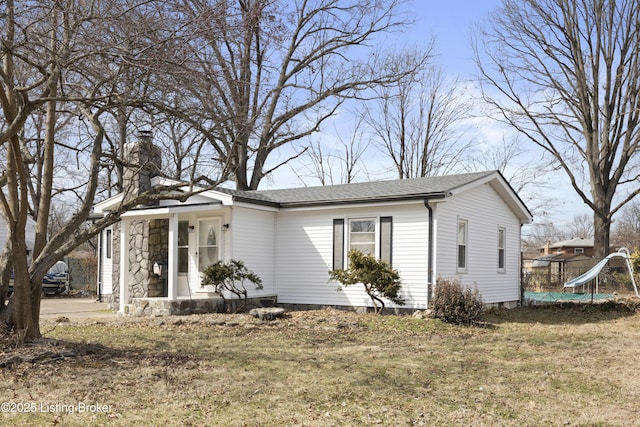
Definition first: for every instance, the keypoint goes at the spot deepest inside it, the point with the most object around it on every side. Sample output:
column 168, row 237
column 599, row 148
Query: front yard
column 571, row 365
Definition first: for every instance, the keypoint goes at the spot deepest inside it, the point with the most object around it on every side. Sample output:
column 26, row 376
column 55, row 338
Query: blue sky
column 451, row 23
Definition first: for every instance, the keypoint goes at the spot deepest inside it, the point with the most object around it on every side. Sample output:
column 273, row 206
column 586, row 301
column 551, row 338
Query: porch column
column 172, row 267
column 125, row 225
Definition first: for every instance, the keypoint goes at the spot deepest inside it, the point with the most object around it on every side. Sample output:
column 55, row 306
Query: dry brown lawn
column 565, row 365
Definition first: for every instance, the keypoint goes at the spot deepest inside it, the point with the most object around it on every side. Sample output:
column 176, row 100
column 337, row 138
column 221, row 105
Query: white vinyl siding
column 484, row 211
column 30, row 233
column 305, row 252
column 252, row 236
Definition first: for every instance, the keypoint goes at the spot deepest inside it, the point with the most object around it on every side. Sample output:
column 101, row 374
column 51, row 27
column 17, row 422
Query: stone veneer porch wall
column 148, row 243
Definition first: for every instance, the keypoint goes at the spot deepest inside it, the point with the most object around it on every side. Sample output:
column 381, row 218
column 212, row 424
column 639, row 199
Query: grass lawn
column 563, row 365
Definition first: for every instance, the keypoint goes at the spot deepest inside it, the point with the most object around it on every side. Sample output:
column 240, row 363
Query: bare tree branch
column 566, row 75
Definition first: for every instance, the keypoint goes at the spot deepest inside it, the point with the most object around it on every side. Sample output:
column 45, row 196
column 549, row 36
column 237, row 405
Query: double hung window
column 372, row 236
column 501, row 248
column 362, row 235
column 462, row 244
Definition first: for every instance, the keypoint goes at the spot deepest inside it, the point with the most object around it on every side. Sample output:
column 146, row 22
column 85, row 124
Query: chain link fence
column 550, row 273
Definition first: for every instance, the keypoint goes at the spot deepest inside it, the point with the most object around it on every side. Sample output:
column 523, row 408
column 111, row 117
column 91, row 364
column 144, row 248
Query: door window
column 208, row 242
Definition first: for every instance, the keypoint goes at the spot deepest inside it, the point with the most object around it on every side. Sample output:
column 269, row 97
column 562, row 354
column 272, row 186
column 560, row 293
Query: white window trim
column 466, row 245
column 219, row 244
column 187, row 246
column 108, row 240
column 502, row 269
column 376, row 234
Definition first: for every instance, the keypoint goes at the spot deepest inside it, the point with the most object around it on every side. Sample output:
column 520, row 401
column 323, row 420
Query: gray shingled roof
column 400, row 189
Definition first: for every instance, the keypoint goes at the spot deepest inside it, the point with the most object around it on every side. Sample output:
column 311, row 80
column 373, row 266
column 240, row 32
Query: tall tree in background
column 627, row 226
column 262, row 74
column 566, row 74
column 418, row 122
column 581, row 226
column 525, row 173
column 334, row 163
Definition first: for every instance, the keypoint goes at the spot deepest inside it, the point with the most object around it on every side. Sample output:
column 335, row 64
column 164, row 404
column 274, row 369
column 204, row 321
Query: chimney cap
column 145, row 135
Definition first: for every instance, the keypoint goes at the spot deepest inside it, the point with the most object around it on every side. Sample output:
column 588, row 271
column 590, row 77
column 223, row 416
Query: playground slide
column 591, row 274
column 596, row 269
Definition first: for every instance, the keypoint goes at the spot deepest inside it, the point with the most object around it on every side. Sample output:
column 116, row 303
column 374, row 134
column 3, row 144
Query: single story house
column 464, row 227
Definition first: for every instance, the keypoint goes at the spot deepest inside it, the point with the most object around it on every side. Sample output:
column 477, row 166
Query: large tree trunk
column 23, row 320
column 602, row 195
column 601, row 232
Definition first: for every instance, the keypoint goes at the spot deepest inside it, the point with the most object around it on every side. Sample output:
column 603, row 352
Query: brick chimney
column 142, row 161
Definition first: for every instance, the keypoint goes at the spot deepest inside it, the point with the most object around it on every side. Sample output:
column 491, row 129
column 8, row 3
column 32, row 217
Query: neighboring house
column 575, row 246
column 558, row 262
column 460, row 226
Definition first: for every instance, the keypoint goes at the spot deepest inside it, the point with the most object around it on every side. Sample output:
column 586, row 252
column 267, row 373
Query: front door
column 209, row 241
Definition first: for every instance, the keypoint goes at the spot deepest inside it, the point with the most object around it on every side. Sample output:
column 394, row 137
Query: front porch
column 160, row 255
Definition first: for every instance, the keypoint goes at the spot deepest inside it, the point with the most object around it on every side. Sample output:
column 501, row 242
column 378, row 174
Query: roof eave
column 365, row 200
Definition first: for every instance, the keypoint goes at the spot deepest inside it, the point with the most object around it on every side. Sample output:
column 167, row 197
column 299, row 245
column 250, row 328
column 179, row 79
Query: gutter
column 100, row 242
column 283, row 204
column 521, row 302
column 430, row 249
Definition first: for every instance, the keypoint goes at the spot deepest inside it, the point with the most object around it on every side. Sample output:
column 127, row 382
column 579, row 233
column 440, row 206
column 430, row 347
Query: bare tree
column 185, row 151
column 263, row 74
column 626, row 230
column 566, row 75
column 581, row 226
column 526, row 173
column 59, row 59
column 334, row 163
column 418, row 123
column 537, row 234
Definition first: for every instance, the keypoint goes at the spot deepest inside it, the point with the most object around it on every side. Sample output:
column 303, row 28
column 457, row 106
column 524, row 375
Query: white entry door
column 209, row 241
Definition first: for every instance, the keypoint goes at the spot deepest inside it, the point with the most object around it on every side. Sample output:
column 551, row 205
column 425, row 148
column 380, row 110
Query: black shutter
column 338, row 244
column 386, row 236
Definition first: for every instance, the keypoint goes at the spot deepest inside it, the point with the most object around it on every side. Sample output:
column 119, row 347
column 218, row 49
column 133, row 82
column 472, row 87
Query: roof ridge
column 366, row 191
